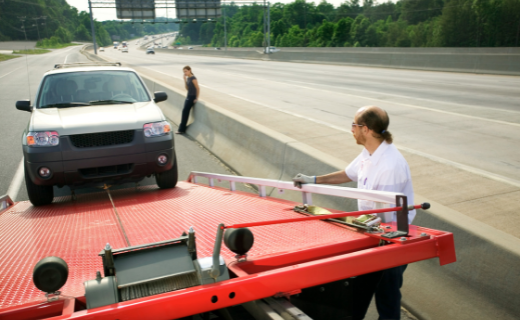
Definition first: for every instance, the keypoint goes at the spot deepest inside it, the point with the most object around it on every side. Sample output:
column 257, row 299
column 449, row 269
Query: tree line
column 406, row 23
column 23, row 19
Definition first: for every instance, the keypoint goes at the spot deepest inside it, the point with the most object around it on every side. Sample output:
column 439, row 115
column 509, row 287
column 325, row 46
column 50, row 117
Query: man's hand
column 301, row 179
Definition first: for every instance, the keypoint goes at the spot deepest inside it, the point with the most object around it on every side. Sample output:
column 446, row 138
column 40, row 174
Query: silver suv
column 93, row 125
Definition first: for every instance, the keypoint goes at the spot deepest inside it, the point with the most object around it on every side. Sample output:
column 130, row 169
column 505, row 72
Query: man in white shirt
column 380, row 166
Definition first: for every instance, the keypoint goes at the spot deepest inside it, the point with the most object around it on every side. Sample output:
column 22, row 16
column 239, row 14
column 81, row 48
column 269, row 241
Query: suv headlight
column 156, row 129
column 43, row 139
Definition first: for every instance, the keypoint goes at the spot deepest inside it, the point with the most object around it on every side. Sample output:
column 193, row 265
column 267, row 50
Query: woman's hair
column 188, row 68
column 378, row 122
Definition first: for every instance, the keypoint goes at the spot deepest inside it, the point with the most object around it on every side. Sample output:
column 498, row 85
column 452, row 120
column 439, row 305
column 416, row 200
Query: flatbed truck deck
column 285, row 258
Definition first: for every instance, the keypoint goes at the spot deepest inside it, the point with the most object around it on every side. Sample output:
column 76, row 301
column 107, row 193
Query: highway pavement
column 19, row 79
column 469, row 119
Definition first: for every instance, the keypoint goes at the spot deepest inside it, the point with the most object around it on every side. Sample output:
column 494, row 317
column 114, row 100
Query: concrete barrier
column 504, row 61
column 482, row 284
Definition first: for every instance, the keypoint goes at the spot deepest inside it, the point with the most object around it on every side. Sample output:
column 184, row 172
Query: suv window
column 75, row 89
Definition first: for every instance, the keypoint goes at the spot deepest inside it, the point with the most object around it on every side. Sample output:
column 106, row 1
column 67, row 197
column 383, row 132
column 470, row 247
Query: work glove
column 301, row 179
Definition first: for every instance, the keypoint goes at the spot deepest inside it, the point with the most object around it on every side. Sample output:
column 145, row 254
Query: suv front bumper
column 91, row 166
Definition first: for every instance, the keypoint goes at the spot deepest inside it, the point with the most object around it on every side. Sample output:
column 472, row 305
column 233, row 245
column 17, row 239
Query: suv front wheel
column 38, row 195
column 168, row 179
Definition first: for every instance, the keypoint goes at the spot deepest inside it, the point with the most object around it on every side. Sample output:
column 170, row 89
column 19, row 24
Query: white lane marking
column 16, row 183
column 66, row 58
column 9, row 72
column 386, row 101
column 461, row 166
column 409, row 97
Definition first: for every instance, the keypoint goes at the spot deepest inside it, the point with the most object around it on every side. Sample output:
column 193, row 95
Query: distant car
column 217, row 48
column 190, row 48
column 165, row 47
column 125, row 49
column 101, row 49
column 273, row 49
column 179, row 48
column 150, row 50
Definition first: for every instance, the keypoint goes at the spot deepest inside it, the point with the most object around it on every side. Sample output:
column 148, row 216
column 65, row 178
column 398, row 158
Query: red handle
column 327, row 216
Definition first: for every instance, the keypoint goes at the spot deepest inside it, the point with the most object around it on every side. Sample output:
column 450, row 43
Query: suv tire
column 38, row 195
column 168, row 179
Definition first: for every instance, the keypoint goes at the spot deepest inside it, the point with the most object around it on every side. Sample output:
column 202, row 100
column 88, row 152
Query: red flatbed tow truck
column 151, row 268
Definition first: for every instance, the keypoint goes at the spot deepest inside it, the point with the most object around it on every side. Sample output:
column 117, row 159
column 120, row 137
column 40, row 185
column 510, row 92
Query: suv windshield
column 76, row 89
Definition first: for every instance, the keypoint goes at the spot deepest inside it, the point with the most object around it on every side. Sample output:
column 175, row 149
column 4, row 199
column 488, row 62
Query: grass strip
column 31, row 51
column 58, row 46
column 4, row 57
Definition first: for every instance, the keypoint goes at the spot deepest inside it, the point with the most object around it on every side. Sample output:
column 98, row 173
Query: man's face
column 358, row 131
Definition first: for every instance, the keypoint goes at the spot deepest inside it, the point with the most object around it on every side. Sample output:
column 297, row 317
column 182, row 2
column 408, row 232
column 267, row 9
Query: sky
column 110, row 14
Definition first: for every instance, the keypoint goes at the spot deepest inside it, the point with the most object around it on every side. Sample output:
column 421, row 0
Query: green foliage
column 53, row 43
column 64, row 24
column 64, row 35
column 4, row 57
column 31, row 51
column 417, row 23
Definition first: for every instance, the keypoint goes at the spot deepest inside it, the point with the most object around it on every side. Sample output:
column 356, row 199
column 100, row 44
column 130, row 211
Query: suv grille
column 106, row 171
column 102, row 139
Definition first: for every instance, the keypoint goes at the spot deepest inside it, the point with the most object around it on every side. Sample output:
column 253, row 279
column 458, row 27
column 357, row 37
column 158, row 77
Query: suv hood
column 99, row 118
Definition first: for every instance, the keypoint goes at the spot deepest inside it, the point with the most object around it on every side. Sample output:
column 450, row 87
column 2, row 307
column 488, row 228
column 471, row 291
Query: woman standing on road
column 191, row 84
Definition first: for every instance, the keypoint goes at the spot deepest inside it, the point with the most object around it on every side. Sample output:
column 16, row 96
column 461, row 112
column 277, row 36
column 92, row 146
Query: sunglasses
column 357, row 125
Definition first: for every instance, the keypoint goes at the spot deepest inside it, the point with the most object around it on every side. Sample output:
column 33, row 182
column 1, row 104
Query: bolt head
column 423, row 234
column 403, row 239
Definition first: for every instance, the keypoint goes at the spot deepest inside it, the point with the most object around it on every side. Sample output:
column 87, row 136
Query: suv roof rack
column 86, row 64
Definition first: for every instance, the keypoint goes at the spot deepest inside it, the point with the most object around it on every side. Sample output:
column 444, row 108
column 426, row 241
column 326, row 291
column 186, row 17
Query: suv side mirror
column 24, row 105
column 160, row 96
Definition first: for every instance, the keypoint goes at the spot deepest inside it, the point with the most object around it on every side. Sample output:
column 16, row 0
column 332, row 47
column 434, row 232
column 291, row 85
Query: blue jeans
column 188, row 104
column 388, row 293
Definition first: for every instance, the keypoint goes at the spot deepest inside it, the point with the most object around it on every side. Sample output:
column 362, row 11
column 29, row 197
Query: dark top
column 192, row 91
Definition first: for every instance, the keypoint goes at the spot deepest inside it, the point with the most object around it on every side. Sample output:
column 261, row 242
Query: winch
column 150, row 269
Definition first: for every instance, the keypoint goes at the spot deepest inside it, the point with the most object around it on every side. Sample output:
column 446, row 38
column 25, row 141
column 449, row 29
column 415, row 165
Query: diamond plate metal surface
column 152, row 215
column 77, row 230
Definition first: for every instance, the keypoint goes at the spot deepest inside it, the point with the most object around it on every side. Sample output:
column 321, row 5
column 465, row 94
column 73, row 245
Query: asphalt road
column 14, row 85
column 470, row 119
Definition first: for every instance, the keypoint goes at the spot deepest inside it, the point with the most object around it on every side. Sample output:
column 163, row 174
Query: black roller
column 425, row 206
column 50, row 274
column 239, row 240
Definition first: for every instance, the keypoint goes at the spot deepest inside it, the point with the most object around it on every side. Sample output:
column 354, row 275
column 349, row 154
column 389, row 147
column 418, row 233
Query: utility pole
column 517, row 33
column 45, row 24
column 225, row 30
column 36, row 24
column 264, row 43
column 269, row 27
column 92, row 27
column 23, row 26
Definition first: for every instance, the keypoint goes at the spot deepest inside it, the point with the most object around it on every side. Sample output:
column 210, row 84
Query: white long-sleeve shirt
column 385, row 170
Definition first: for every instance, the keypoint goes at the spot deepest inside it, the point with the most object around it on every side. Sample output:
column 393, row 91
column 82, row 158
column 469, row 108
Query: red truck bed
column 280, row 261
